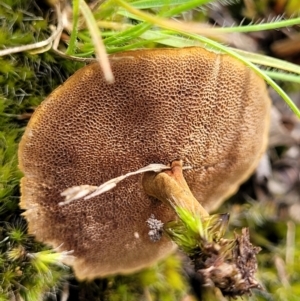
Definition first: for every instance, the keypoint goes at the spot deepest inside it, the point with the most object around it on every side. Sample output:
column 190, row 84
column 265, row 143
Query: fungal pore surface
column 208, row 110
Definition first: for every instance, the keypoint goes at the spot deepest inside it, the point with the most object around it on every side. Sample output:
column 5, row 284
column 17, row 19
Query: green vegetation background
column 30, row 271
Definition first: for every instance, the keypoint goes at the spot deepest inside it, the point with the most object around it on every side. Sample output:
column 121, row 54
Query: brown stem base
column 171, row 188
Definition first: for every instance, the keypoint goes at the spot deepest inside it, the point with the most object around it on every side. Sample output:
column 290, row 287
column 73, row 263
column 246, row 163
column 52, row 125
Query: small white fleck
column 136, row 235
column 30, row 133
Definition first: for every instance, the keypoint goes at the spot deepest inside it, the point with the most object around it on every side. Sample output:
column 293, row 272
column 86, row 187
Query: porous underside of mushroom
column 206, row 109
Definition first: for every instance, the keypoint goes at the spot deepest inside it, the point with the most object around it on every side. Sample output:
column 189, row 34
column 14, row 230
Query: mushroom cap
column 207, row 109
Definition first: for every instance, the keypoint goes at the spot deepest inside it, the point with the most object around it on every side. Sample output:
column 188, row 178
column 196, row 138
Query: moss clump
column 27, row 268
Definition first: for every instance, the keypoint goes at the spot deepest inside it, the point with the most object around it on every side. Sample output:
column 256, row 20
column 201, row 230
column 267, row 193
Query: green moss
column 162, row 282
column 25, row 80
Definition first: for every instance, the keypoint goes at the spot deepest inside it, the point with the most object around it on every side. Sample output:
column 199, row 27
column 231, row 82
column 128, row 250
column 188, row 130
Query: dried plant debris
column 277, row 176
column 227, row 264
column 89, row 191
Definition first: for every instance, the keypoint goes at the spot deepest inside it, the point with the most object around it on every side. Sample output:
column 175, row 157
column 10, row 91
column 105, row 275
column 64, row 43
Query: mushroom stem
column 170, row 187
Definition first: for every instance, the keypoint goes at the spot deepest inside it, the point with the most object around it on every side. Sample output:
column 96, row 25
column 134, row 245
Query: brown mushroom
column 206, row 109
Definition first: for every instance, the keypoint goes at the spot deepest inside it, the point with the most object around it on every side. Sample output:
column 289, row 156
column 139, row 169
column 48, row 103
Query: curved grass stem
column 97, row 40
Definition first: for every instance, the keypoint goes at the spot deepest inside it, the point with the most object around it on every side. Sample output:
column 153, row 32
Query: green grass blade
column 283, row 76
column 72, row 44
column 185, row 7
column 127, row 35
column 148, row 4
column 259, row 27
column 171, row 40
column 268, row 61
